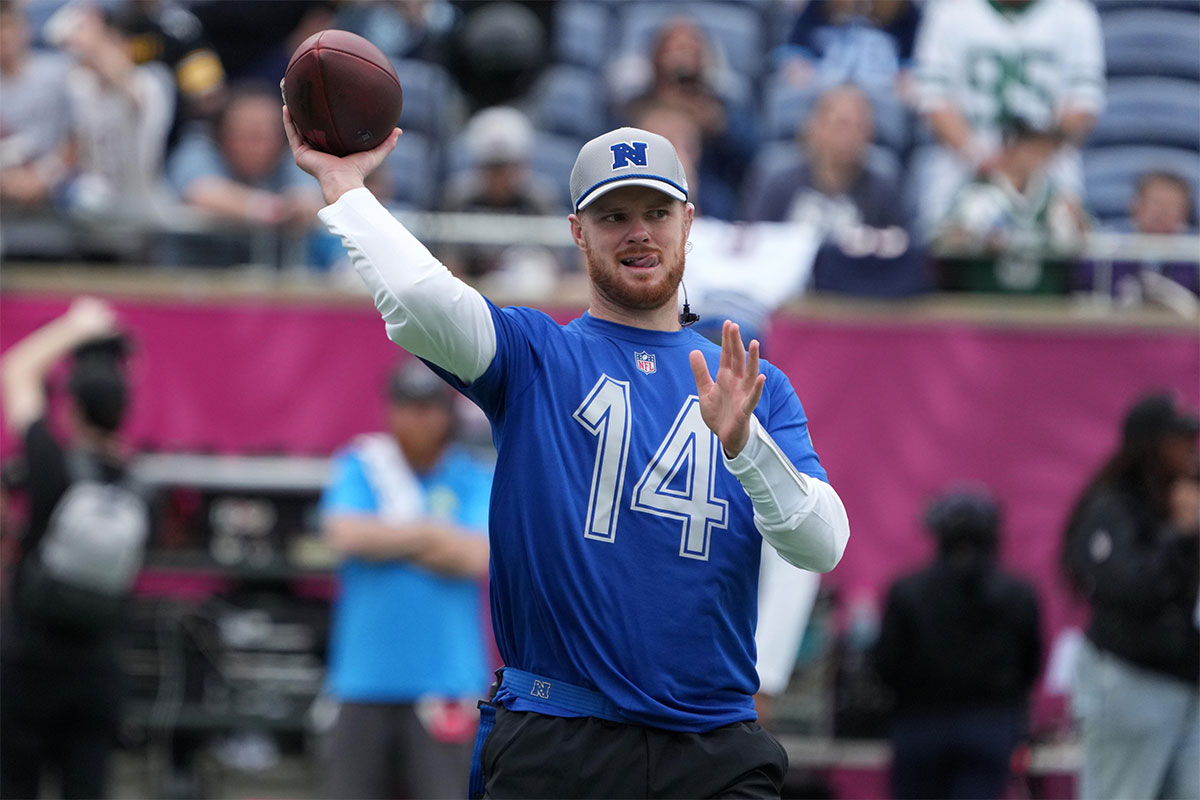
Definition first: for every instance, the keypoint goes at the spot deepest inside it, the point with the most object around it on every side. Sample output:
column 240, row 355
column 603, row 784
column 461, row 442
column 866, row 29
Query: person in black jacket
column 59, row 698
column 1130, row 550
column 960, row 648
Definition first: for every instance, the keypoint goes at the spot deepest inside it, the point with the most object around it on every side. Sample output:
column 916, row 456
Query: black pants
column 58, row 711
column 961, row 755
column 530, row 755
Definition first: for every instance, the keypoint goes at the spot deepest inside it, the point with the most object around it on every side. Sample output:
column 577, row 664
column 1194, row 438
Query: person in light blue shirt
column 407, row 510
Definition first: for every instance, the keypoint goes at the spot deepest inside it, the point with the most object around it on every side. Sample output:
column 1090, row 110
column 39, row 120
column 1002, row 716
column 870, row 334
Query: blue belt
column 558, row 693
column 487, row 719
column 561, row 694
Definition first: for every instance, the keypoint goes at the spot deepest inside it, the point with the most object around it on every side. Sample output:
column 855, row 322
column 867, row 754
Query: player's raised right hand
column 336, row 175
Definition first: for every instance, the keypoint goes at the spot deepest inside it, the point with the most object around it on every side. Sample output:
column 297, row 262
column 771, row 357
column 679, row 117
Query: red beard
column 629, row 292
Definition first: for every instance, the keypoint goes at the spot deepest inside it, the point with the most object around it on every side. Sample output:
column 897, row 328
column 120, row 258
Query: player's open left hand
column 337, row 175
column 727, row 401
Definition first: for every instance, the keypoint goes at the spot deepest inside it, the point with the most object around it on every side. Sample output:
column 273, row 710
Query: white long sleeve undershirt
column 434, row 315
column 802, row 517
column 425, row 309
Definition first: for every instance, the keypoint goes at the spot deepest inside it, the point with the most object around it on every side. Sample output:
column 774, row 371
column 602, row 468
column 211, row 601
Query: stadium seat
column 1110, row 174
column 893, row 121
column 1151, row 42
column 735, row 28
column 1110, row 6
column 771, row 159
column 412, row 167
column 554, row 156
column 917, row 177
column 568, row 100
column 433, row 102
column 1154, row 111
column 785, row 107
column 582, row 33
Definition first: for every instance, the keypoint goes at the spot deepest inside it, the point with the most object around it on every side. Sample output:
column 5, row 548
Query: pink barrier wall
column 898, row 409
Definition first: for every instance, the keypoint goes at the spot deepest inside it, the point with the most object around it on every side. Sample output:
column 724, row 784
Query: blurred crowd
column 931, row 145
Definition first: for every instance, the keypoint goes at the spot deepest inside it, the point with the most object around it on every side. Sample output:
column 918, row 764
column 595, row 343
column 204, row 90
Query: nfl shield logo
column 645, row 361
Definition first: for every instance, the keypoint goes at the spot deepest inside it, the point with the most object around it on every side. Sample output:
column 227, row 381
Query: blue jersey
column 400, row 631
column 624, row 553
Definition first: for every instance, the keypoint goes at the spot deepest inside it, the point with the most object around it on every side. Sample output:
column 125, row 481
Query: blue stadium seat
column 1110, row 174
column 1154, row 111
column 553, row 158
column 785, row 108
column 1152, row 42
column 771, row 159
column 916, row 179
column 582, row 33
column 893, row 121
column 735, row 28
column 1110, row 6
column 568, row 100
column 412, row 167
column 433, row 102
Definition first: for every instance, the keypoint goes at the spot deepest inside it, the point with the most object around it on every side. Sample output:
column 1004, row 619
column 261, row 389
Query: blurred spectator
column 960, row 648
column 255, row 39
column 706, row 190
column 499, row 141
column 120, row 117
column 1012, row 229
column 163, row 31
column 60, row 696
column 34, row 117
column 980, row 63
column 868, row 42
column 836, row 187
column 1130, row 550
column 407, row 511
column 402, row 28
column 684, row 71
column 243, row 173
column 498, row 51
column 1162, row 205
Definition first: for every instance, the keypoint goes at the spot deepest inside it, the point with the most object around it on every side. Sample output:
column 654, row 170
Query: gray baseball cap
column 626, row 157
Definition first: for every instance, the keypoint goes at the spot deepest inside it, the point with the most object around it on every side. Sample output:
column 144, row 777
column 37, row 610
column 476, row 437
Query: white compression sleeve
column 427, row 311
column 800, row 516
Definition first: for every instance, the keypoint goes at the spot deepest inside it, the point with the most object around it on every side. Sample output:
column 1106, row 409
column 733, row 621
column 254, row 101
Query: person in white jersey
column 982, row 62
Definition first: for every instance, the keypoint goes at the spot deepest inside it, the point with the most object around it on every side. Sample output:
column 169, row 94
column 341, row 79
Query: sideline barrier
column 1022, row 394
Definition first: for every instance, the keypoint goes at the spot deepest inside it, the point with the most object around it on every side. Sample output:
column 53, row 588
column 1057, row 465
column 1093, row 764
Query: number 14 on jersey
column 678, row 483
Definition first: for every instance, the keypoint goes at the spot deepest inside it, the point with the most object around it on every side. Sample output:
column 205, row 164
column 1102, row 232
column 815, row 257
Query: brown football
column 342, row 92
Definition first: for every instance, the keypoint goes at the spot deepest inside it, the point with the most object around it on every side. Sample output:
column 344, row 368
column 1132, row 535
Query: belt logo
column 541, row 689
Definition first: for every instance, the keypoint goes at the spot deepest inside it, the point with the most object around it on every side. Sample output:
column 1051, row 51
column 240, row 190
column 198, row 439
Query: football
column 342, row 92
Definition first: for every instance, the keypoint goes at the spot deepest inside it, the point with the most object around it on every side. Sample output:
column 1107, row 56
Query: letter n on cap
column 624, row 153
